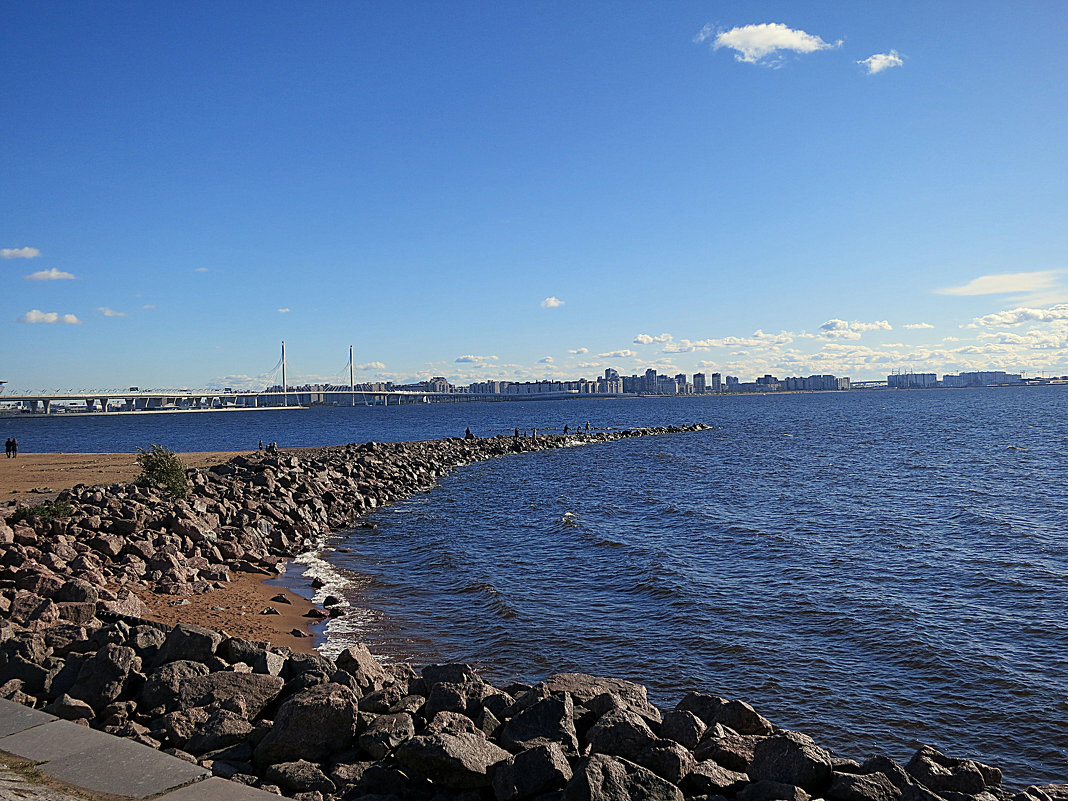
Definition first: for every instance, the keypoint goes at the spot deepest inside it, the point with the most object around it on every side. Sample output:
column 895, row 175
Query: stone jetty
column 73, row 643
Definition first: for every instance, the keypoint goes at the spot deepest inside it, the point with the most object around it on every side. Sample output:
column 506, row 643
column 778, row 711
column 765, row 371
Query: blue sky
column 526, row 190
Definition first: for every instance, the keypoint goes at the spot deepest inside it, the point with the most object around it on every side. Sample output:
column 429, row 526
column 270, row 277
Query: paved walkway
column 86, row 759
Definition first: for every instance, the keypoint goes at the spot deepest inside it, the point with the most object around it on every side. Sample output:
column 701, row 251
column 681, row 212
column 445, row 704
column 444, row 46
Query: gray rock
column 735, row 715
column 310, row 725
column 911, row 790
column 683, row 727
column 870, row 787
column 161, row 689
column 607, row 778
column 765, row 790
column 583, row 688
column 358, row 661
column 452, row 723
column 102, row 678
column 255, row 689
column 455, row 761
column 300, row 777
column 708, row 778
column 465, row 698
column 550, row 720
column 538, row 770
column 189, row 642
column 223, row 729
column 791, row 758
column 940, row 773
column 70, row 708
column 385, row 733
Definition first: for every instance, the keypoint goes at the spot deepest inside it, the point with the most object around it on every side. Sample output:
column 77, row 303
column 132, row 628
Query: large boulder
column 583, row 688
column 791, row 758
column 364, row 668
column 550, row 720
column 256, row 689
column 189, row 642
column 935, row 771
column 607, row 778
column 311, row 725
column 455, row 761
column 103, row 677
column 528, row 774
column 161, row 689
column 300, row 776
column 870, row 787
column 386, row 732
column 735, row 715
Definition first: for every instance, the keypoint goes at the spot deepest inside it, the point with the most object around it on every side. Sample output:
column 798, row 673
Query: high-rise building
column 716, row 382
column 650, row 381
column 610, row 373
column 682, row 383
column 699, row 383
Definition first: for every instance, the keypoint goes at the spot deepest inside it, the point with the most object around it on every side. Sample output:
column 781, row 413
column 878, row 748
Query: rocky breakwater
column 72, row 643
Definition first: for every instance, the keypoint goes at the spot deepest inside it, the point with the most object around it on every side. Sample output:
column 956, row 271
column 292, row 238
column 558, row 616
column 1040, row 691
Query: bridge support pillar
column 103, row 404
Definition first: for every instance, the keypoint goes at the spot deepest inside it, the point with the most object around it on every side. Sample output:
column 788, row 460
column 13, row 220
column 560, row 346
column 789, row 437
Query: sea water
column 876, row 569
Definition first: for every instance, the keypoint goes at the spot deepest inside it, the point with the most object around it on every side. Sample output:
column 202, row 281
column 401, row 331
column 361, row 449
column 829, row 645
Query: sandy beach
column 235, row 609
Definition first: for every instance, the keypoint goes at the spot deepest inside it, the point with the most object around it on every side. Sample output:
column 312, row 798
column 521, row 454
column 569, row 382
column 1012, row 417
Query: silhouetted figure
column 14, row 448
column 261, row 445
column 566, row 429
column 587, row 426
column 533, row 433
column 516, row 437
column 468, row 434
column 7, row 447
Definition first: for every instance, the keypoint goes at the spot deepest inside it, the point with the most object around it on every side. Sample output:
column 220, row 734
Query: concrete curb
column 102, row 763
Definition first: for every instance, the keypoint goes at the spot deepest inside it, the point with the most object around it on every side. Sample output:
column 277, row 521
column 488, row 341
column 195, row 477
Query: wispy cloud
column 1005, row 283
column 49, row 275
column 19, row 253
column 104, row 310
column 546, row 360
column 579, row 351
column 617, row 354
column 882, row 61
column 917, row 326
column 469, row 359
column 646, row 339
column 843, row 329
column 551, row 302
column 765, row 43
column 284, row 311
column 52, row 318
column 149, row 306
column 371, row 366
column 200, row 269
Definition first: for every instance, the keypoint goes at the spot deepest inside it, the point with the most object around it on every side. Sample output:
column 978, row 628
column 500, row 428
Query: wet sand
column 38, row 477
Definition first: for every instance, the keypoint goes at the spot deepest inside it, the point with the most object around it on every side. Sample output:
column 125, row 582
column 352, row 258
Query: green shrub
column 46, row 511
column 162, row 469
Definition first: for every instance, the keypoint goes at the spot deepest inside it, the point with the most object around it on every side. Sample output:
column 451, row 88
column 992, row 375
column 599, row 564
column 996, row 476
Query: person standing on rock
column 468, row 434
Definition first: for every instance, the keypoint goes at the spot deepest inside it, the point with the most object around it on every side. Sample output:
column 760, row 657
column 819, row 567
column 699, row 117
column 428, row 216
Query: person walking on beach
column 7, row 447
column 14, row 448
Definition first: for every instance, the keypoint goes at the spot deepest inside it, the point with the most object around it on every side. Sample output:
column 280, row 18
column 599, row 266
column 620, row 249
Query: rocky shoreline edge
column 74, row 643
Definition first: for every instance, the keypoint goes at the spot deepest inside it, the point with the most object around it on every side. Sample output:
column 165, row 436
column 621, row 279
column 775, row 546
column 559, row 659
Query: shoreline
column 283, row 719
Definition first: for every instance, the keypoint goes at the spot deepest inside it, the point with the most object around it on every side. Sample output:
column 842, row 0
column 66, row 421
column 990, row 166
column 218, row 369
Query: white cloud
column 49, row 275
column 104, row 310
column 371, row 366
column 284, row 311
column 843, row 329
column 38, row 316
column 882, row 61
column 200, row 270
column 764, row 44
column 551, row 302
column 917, row 326
column 1022, row 315
column 19, row 253
column 617, row 354
column 759, row 339
column 546, row 360
column 588, row 365
column 579, row 351
column 469, row 359
column 1005, row 283
column 646, row 339
column 149, row 306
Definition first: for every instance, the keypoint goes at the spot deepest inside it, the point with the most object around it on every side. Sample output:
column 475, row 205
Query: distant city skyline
column 475, row 190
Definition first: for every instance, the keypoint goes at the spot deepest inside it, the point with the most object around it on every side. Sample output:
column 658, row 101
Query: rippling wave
column 876, row 569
